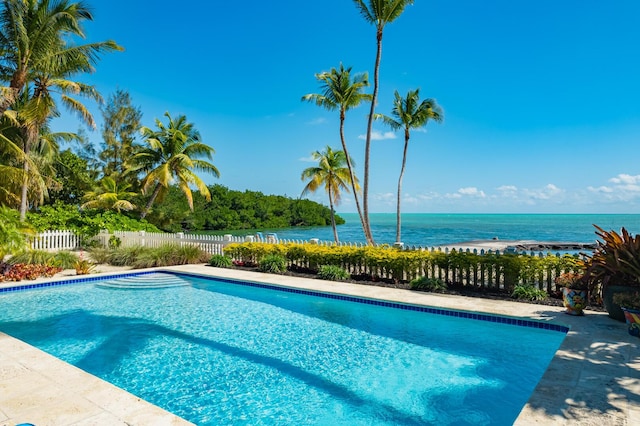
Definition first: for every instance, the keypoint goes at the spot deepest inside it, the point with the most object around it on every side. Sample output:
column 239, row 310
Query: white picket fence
column 55, row 240
column 211, row 244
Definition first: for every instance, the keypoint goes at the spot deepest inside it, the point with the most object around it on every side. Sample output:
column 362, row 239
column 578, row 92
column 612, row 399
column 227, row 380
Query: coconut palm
column 110, row 196
column 173, row 154
column 341, row 91
column 333, row 175
column 34, row 35
column 409, row 113
column 38, row 58
column 379, row 13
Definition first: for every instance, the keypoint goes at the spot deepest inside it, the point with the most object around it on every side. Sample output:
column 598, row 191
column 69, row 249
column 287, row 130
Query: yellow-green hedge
column 486, row 270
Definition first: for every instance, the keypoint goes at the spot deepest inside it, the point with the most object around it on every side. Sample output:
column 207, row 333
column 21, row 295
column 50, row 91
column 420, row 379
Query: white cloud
column 379, row 136
column 546, row 193
column 507, row 188
column 307, row 159
column 605, row 189
column 626, row 179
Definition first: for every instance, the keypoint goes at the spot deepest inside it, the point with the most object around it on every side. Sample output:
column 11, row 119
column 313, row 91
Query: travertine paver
column 594, row 378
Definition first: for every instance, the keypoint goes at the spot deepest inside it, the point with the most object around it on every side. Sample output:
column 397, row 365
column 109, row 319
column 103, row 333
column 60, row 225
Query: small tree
column 333, row 175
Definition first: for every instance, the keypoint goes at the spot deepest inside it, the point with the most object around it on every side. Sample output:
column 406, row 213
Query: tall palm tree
column 330, row 173
column 379, row 13
column 173, row 154
column 37, row 56
column 34, row 34
column 342, row 92
column 409, row 113
column 110, row 196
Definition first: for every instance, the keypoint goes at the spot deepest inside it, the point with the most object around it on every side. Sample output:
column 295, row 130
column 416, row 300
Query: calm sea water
column 440, row 229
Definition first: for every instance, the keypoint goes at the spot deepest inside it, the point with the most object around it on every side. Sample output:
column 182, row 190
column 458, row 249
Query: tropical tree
column 34, row 34
column 173, row 154
column 341, row 91
column 379, row 13
column 409, row 113
column 110, row 196
column 121, row 125
column 38, row 58
column 333, row 175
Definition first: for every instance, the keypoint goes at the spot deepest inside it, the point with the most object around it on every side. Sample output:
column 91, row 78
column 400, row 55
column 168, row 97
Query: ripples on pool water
column 221, row 353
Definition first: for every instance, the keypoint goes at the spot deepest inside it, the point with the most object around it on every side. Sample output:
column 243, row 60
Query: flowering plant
column 572, row 280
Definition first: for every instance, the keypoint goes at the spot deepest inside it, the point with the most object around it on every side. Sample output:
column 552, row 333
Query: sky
column 540, row 98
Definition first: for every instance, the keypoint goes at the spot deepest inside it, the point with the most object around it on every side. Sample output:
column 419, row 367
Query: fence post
column 142, row 239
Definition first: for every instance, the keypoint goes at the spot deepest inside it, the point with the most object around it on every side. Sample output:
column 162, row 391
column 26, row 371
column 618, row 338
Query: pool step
column 146, row 281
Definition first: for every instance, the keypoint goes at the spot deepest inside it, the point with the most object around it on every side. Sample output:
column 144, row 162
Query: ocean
column 430, row 230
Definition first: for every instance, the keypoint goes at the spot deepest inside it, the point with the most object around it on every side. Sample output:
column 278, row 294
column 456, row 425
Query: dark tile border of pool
column 394, row 305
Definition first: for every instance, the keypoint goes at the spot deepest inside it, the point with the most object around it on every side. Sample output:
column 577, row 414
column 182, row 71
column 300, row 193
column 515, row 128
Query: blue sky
column 540, row 97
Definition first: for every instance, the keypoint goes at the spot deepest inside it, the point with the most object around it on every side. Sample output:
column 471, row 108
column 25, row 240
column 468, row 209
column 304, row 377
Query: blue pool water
column 217, row 352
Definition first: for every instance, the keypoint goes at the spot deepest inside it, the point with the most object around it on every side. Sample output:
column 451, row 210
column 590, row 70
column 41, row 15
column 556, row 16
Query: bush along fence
column 489, row 271
column 484, row 270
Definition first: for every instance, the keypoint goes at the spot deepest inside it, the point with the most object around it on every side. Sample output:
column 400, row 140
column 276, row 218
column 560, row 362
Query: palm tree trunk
column 25, row 189
column 333, row 217
column 29, row 135
column 367, row 146
column 404, row 162
column 156, row 191
column 352, row 177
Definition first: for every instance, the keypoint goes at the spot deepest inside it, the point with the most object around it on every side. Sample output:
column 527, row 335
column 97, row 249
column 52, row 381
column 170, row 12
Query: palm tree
column 37, row 59
column 379, row 13
column 34, row 34
column 110, row 196
column 172, row 154
column 409, row 113
column 331, row 174
column 341, row 92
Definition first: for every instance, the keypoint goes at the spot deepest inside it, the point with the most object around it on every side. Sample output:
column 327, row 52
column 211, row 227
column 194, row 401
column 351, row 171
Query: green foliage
column 75, row 178
column 220, row 261
column 615, row 260
column 148, row 257
column 235, row 210
column 528, row 292
column 273, row 263
column 628, row 300
column 405, row 265
column 428, row 284
column 13, row 233
column 64, row 259
column 333, row 273
column 83, row 267
column 86, row 223
column 101, row 254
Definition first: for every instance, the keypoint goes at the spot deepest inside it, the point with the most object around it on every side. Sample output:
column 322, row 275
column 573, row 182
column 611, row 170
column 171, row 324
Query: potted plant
column 614, row 267
column 575, row 290
column 630, row 304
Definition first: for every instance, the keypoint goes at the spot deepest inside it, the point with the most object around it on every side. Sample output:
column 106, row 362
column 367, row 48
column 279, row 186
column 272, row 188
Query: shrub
column 125, row 256
column 168, row 255
column 273, row 264
column 65, row 259
column 428, row 284
column 100, row 254
column 333, row 273
column 528, row 292
column 32, row 257
column 220, row 261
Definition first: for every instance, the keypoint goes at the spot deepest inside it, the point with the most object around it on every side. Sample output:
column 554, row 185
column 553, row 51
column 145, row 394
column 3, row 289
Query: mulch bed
column 454, row 289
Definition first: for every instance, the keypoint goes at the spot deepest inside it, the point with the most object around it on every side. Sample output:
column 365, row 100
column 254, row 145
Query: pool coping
column 593, row 378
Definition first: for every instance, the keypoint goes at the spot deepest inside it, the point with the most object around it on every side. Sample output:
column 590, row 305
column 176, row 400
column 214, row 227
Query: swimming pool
column 220, row 352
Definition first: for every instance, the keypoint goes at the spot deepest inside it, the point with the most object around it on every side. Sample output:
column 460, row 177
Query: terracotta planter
column 614, row 310
column 632, row 317
column 574, row 300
